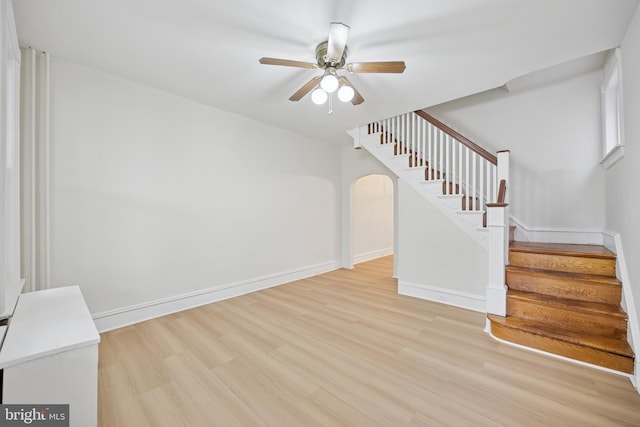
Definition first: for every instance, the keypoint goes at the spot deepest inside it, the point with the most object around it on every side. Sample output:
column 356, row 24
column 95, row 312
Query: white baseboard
column 443, row 296
column 524, row 233
column 609, row 240
column 125, row 316
column 357, row 259
column 628, row 302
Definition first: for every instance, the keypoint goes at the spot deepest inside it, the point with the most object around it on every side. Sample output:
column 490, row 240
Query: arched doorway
column 372, row 217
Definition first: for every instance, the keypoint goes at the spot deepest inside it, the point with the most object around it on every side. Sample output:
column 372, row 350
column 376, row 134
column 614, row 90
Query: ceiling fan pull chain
column 330, row 103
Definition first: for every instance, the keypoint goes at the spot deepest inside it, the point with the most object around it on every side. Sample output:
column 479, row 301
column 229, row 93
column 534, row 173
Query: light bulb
column 345, row 93
column 329, row 82
column 319, row 96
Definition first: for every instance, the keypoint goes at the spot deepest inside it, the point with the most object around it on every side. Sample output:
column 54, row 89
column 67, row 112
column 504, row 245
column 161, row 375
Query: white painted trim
column 121, row 317
column 609, row 240
column 611, row 89
column 524, row 233
column 555, row 356
column 368, row 256
column 628, row 303
column 443, row 296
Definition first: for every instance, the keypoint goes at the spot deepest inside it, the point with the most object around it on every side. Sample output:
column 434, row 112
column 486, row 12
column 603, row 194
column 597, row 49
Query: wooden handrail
column 461, row 139
column 502, row 191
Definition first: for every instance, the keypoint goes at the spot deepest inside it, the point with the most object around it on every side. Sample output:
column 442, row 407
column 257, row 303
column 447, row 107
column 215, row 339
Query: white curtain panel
column 34, row 155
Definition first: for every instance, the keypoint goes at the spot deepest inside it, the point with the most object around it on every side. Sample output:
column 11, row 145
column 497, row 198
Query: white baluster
column 429, row 149
column 467, row 176
column 474, row 176
column 396, row 136
column 419, row 144
column 413, row 138
column 491, row 195
column 424, row 140
column 454, row 146
column 460, row 167
column 483, row 162
column 403, row 132
column 445, row 160
column 394, row 128
column 384, row 132
column 441, row 152
column 407, row 137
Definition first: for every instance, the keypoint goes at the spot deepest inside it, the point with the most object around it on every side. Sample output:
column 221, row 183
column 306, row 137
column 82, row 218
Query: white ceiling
column 208, row 50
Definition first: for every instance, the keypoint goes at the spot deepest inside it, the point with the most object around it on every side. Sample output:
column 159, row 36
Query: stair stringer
column 468, row 221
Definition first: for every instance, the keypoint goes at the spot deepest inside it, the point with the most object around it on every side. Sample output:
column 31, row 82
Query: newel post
column 503, row 170
column 498, row 225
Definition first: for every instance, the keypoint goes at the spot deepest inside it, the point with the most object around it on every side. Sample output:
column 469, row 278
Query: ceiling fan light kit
column 319, row 96
column 329, row 82
column 345, row 93
column 331, row 56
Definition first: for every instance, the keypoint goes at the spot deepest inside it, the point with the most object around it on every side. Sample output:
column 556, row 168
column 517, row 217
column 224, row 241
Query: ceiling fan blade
column 376, row 67
column 357, row 98
column 338, row 33
column 287, row 63
column 305, row 89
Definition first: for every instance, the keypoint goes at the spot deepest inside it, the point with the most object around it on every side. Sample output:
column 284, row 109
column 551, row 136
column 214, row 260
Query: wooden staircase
column 565, row 299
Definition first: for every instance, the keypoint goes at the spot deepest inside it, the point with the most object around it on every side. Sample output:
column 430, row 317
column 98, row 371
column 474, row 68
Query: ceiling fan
column 331, row 56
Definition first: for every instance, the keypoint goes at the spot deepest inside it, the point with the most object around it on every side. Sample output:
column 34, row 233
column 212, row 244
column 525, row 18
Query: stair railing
column 465, row 168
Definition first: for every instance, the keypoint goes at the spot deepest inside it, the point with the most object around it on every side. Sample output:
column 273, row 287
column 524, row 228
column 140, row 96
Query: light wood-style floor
column 343, row 349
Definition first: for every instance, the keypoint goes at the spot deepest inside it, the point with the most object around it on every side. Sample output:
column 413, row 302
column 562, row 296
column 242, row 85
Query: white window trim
column 612, row 116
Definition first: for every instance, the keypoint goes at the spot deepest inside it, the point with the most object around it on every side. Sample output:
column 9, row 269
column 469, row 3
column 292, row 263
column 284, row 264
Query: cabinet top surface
column 45, row 323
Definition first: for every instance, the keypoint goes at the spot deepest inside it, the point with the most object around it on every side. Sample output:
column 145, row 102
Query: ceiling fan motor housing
column 321, row 56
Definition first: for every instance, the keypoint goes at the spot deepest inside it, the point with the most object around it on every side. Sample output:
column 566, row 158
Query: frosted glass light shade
column 329, row 83
column 319, row 96
column 345, row 93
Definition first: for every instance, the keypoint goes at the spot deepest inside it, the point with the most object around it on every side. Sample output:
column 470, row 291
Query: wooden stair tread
column 569, row 303
column 601, row 280
column 588, row 251
column 599, row 342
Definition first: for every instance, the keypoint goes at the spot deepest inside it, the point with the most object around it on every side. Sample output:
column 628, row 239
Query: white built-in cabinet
column 50, row 354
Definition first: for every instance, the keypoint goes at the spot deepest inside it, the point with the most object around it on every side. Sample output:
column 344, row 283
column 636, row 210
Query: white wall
column 436, row 253
column 553, row 132
column 372, row 217
column 154, row 196
column 622, row 179
column 355, row 165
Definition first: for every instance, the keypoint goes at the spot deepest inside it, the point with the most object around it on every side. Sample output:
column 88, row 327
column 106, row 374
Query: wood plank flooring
column 343, row 349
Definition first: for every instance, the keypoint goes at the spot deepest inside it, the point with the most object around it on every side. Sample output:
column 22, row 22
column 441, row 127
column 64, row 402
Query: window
column 612, row 130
